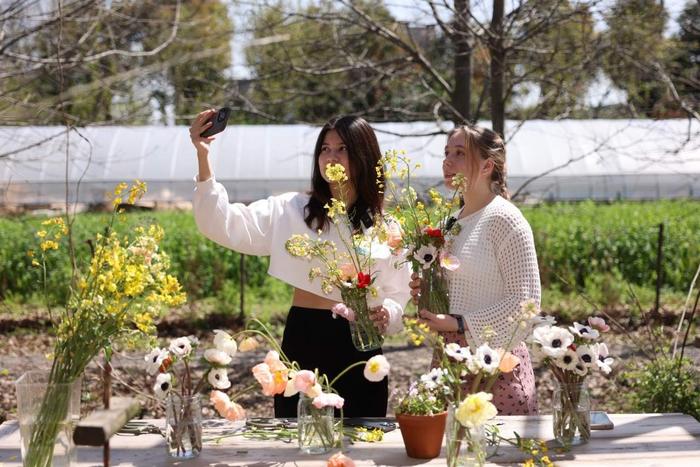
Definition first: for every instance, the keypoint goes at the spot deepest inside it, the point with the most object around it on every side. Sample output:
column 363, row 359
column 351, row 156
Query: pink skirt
column 513, row 393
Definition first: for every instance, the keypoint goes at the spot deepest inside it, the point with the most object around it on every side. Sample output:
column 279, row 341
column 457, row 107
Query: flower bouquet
column 118, row 294
column 571, row 354
column 427, row 231
column 350, row 270
column 183, row 432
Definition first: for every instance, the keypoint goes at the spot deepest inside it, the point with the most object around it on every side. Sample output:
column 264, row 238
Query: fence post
column 241, row 275
column 659, row 267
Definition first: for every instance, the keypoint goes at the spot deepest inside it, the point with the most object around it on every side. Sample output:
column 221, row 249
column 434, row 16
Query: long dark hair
column 363, row 156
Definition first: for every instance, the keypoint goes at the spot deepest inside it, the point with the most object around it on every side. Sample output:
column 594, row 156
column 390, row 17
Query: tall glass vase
column 465, row 446
column 434, row 295
column 183, row 426
column 365, row 335
column 47, row 414
column 571, row 414
column 316, row 432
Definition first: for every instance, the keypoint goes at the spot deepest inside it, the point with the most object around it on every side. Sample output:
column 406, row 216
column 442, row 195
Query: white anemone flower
column 553, row 339
column 433, row 378
column 426, row 255
column 603, row 361
column 163, row 385
column 487, row 358
column 546, row 320
column 224, row 342
column 456, row 352
column 217, row 357
column 584, row 331
column 218, row 378
column 581, row 369
column 588, row 355
column 182, row 346
column 154, row 359
column 567, row 361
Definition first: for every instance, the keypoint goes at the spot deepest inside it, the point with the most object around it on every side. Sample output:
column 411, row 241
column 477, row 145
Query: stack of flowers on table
column 571, row 354
column 117, row 295
column 317, row 430
column 350, row 270
column 426, row 230
column 183, row 408
column 466, row 377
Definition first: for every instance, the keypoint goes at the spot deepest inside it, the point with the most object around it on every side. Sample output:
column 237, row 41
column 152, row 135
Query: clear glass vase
column 434, row 295
column 183, row 426
column 315, row 427
column 571, row 414
column 464, row 446
column 365, row 335
column 47, row 414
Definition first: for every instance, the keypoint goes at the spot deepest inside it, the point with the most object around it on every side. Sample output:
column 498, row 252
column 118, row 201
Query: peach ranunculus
column 347, row 271
column 271, row 374
column 340, row 460
column 508, row 362
column 326, row 399
column 273, row 361
column 227, row 409
column 394, row 235
column 304, row 380
column 235, row 412
column 248, row 344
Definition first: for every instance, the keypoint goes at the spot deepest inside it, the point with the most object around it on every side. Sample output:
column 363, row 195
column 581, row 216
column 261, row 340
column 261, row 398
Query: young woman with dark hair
column 312, row 336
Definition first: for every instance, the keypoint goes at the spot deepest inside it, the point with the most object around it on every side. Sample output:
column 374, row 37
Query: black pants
column 314, row 339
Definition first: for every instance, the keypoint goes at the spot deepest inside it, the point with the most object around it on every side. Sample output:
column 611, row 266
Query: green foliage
column 666, row 385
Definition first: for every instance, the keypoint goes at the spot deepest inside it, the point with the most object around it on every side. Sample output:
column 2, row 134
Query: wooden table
column 638, row 440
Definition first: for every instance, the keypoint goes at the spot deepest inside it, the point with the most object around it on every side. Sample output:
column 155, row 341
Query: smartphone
column 218, row 121
column 600, row 421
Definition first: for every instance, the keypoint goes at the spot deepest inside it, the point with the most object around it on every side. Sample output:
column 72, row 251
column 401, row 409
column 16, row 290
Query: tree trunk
column 461, row 96
column 498, row 57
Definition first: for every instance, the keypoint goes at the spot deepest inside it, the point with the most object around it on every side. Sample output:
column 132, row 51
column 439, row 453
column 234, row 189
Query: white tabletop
column 637, row 440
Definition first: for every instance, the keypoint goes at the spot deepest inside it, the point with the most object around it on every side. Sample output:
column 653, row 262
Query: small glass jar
column 571, row 414
column 316, row 432
column 365, row 335
column 434, row 295
column 466, row 447
column 183, row 426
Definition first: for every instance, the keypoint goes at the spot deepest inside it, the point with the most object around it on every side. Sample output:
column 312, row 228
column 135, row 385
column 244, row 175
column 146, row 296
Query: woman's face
column 333, row 151
column 458, row 161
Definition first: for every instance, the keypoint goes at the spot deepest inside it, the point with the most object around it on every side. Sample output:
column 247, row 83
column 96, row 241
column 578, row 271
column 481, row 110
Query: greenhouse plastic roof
column 575, row 159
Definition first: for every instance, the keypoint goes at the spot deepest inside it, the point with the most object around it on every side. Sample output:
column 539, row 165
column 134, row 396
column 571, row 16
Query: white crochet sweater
column 498, row 270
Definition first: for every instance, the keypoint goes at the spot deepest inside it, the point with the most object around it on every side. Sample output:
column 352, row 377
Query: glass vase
column 365, row 335
column 464, row 446
column 183, row 426
column 434, row 295
column 315, row 427
column 571, row 414
column 47, row 414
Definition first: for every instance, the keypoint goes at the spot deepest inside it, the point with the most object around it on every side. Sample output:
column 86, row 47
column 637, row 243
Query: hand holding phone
column 218, row 122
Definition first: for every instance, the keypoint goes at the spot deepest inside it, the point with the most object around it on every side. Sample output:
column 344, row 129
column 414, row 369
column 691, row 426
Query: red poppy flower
column 363, row 280
column 435, row 233
column 573, row 347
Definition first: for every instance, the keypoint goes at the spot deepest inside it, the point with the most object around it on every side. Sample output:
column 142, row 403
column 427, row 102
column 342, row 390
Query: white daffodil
column 603, row 361
column 553, row 339
column 376, row 368
column 218, row 378
column 487, row 358
column 217, row 357
column 224, row 342
column 426, row 255
column 155, row 359
column 567, row 361
column 587, row 332
column 587, row 355
column 456, row 352
column 163, row 385
column 433, row 378
column 182, row 346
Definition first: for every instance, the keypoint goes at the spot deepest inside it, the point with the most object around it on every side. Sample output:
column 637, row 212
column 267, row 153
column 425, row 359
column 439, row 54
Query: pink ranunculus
column 598, row 324
column 328, row 399
column 235, row 412
column 395, row 235
column 340, row 460
column 347, row 271
column 344, row 311
column 304, row 380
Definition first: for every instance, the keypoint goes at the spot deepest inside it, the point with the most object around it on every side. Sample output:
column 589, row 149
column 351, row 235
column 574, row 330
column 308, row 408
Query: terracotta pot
column 422, row 434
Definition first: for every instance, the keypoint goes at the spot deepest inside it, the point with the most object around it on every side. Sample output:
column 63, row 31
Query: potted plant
column 421, row 414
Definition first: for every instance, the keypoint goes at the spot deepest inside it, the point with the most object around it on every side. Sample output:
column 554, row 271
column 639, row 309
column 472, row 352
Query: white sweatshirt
column 498, row 270
column 262, row 229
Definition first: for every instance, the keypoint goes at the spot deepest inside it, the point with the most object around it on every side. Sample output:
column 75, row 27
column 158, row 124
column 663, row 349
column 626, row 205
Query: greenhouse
column 547, row 160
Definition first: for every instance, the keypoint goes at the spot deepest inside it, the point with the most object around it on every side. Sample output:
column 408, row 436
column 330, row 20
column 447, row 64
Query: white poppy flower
column 376, row 368
column 584, row 331
column 218, row 378
column 163, row 385
column 181, row 346
column 567, row 361
column 553, row 339
column 154, row 359
column 224, row 342
column 603, row 361
column 426, row 255
column 487, row 358
column 587, row 354
column 217, row 357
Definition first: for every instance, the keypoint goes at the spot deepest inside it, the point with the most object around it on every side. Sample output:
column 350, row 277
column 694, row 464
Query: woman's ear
column 487, row 168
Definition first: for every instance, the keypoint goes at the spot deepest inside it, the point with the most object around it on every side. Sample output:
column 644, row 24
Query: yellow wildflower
column 120, row 188
column 49, row 245
column 336, row 173
column 41, row 234
column 336, row 208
